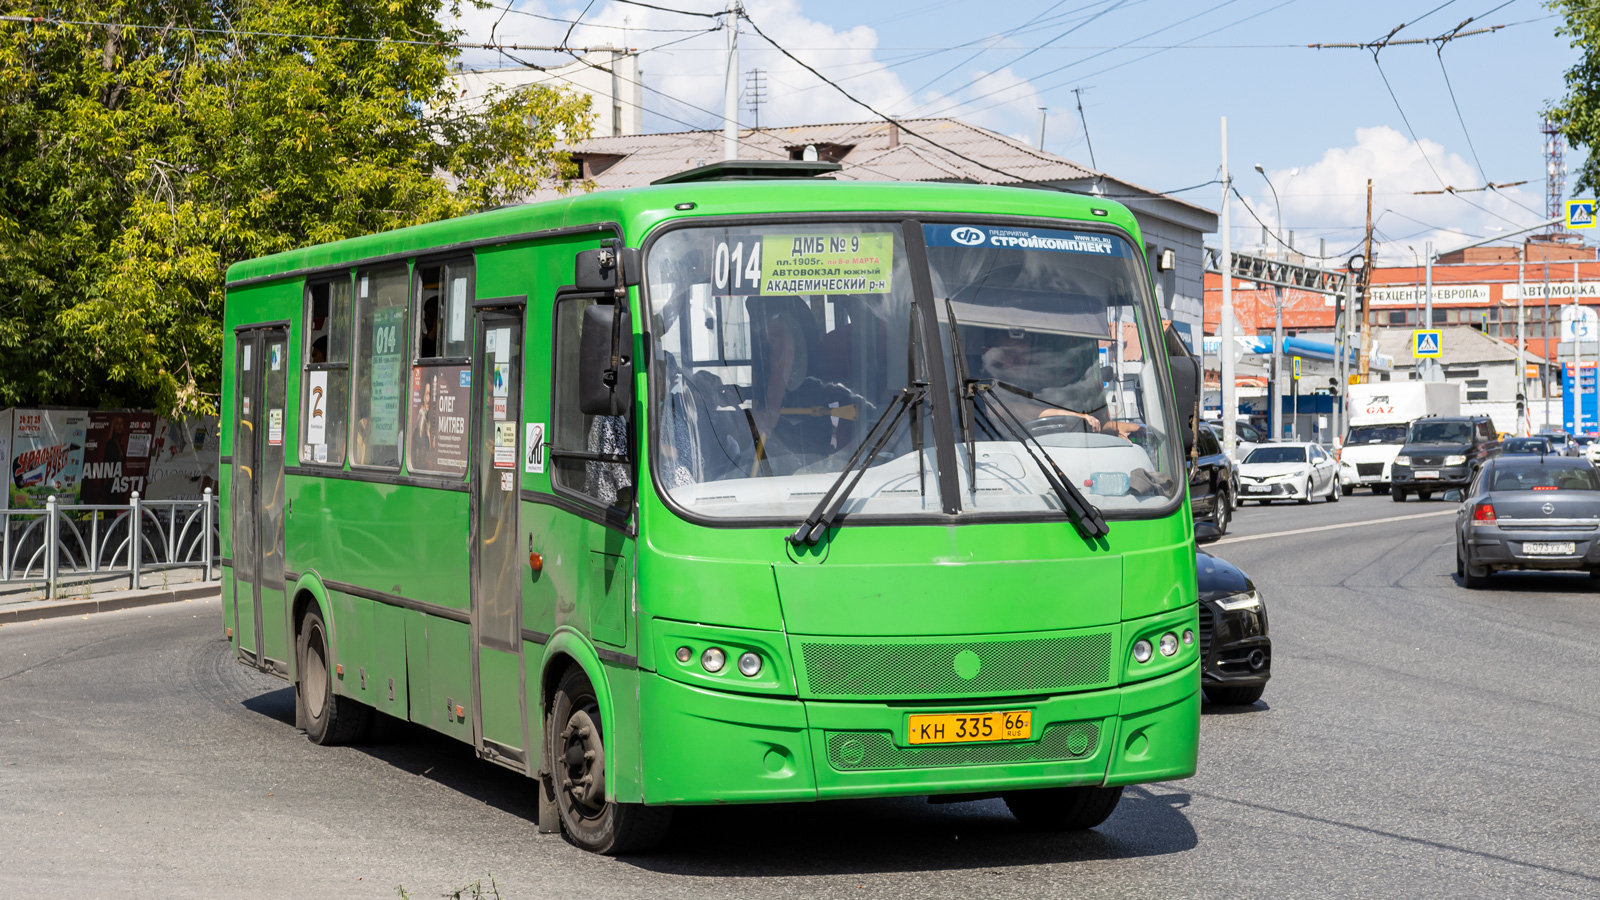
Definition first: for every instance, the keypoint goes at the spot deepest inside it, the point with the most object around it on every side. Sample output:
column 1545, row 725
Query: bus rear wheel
column 329, row 718
column 578, row 770
column 1063, row 809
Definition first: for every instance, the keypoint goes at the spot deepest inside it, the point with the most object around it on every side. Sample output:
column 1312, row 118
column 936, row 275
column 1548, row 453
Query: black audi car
column 1442, row 452
column 1235, row 651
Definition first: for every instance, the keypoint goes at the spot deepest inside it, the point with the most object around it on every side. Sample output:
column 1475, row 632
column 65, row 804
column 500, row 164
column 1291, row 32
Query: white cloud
column 1327, row 199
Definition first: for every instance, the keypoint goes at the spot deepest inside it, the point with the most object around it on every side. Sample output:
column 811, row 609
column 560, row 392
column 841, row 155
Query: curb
column 58, row 609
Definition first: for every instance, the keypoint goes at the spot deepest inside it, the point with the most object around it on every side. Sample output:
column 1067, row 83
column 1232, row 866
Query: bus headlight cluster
column 715, row 659
column 1144, row 651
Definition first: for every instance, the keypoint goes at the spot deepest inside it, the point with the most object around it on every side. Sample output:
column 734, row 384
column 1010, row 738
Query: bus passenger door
column 498, row 671
column 261, row 617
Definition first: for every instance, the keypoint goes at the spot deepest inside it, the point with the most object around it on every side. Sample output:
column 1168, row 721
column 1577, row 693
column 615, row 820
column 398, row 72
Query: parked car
column 1527, row 512
column 1235, row 650
column 1537, row 445
column 1442, row 452
column 1298, row 471
column 1213, row 480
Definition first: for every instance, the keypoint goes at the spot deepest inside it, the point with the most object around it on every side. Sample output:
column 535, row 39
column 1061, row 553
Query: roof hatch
column 751, row 170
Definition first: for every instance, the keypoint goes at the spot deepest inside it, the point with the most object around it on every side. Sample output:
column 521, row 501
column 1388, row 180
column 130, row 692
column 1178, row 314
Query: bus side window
column 588, row 454
column 379, row 366
column 441, row 378
column 326, row 381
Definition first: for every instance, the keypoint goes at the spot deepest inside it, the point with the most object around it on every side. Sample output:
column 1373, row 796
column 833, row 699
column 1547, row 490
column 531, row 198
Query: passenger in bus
column 428, row 343
column 319, row 350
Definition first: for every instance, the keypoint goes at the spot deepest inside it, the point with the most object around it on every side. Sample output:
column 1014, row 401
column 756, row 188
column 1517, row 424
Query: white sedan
column 1288, row 472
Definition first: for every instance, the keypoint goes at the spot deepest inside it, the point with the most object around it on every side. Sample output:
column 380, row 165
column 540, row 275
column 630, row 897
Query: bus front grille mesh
column 850, row 751
column 951, row 669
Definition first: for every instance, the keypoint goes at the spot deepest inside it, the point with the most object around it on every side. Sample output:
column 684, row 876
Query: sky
column 1154, row 78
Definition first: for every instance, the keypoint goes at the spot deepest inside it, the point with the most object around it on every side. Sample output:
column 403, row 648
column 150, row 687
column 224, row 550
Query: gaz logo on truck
column 1379, row 405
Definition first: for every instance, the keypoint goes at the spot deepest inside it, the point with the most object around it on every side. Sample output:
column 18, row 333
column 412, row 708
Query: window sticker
column 505, row 445
column 793, row 264
column 317, row 407
column 1011, row 238
column 247, row 404
column 320, row 453
column 501, row 379
column 458, row 310
column 466, row 378
column 275, row 427
column 363, row 287
column 501, row 345
column 386, row 375
column 534, row 462
column 275, row 356
column 499, row 409
column 508, row 481
column 247, row 357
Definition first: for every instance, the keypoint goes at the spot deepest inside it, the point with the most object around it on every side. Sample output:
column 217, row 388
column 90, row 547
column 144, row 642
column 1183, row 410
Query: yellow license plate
column 960, row 728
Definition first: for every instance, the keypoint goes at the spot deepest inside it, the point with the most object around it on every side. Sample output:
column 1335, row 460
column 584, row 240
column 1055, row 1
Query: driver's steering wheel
column 1048, row 425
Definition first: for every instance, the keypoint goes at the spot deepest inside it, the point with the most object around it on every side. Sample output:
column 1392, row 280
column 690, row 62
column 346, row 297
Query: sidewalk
column 105, row 602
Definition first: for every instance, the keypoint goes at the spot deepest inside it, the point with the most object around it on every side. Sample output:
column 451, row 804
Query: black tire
column 1235, row 696
column 1222, row 512
column 1306, row 500
column 1335, row 492
column 1380, row 489
column 1348, row 489
column 1469, row 579
column 577, row 765
column 1397, row 495
column 1424, row 496
column 1063, row 809
column 329, row 718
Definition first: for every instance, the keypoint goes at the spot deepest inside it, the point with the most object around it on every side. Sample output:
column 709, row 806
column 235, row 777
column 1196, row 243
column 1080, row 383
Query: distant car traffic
column 1298, row 471
column 1537, row 445
column 1213, row 480
column 1560, row 442
column 1235, row 651
column 1442, row 452
column 1529, row 512
column 1367, row 456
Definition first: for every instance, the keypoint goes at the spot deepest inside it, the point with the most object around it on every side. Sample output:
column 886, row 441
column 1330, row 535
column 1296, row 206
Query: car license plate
column 1557, row 548
column 1429, row 473
column 960, row 728
column 1256, row 489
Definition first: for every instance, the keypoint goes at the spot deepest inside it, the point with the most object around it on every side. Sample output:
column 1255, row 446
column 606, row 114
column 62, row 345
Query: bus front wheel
column 329, row 718
column 578, row 770
column 1063, row 809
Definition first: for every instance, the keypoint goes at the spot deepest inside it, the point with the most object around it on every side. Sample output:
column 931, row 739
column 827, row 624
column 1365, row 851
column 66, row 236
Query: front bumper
column 1351, row 475
column 705, row 746
column 1275, row 490
column 1502, row 548
column 1234, row 646
column 1407, row 477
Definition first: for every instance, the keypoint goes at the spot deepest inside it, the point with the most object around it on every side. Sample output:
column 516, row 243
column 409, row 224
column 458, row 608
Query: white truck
column 1378, row 416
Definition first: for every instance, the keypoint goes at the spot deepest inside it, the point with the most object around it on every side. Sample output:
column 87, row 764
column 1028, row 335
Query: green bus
column 727, row 490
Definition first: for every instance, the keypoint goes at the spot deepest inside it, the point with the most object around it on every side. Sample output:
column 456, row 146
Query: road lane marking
column 1258, row 537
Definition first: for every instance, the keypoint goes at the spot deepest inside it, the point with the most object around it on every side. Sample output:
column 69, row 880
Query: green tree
column 1578, row 113
column 139, row 160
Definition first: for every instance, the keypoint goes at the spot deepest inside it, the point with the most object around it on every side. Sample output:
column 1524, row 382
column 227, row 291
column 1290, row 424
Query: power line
column 681, row 12
column 533, row 15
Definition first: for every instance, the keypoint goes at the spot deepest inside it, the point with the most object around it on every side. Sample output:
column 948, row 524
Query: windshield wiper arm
column 964, row 396
column 821, row 518
column 1084, row 514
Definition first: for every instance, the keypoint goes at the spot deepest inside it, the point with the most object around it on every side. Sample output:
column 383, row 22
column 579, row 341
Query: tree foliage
column 1578, row 113
column 138, row 163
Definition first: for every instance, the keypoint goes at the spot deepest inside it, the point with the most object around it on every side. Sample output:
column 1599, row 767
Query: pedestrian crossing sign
column 1580, row 213
column 1427, row 344
column 1297, row 368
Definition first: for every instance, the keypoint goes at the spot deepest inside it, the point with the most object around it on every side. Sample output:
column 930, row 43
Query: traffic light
column 1521, row 401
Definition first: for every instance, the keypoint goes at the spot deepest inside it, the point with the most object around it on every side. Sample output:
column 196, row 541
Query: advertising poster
column 440, row 398
column 116, row 456
column 46, row 456
column 184, row 459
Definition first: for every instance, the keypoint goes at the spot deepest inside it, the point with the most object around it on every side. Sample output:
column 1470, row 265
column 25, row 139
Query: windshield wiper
column 821, row 519
column 1084, row 514
column 964, row 396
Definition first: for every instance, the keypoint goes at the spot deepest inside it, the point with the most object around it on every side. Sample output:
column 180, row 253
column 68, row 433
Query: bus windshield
column 777, row 347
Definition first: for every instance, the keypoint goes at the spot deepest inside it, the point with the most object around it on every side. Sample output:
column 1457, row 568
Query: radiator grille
column 850, row 751
column 1207, row 623
column 1369, row 469
column 1427, row 461
column 888, row 670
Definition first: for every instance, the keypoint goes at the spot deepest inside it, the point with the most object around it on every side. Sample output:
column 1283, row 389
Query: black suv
column 1442, row 452
column 1213, row 480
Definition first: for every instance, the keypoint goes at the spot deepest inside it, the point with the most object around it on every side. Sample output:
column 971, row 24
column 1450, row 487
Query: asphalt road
column 1417, row 740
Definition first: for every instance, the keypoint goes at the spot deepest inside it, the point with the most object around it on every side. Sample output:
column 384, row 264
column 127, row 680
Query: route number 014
column 738, row 267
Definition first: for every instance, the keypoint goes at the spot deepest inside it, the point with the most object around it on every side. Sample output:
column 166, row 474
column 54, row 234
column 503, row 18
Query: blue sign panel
column 1012, row 238
column 1569, row 396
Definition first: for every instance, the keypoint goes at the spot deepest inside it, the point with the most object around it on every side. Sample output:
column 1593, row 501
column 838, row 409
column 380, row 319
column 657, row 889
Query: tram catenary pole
column 1225, row 328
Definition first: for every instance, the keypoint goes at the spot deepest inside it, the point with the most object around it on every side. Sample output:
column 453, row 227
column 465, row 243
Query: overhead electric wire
column 508, row 8
column 682, row 12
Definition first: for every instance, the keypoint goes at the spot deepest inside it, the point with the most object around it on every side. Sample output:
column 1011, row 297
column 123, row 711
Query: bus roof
column 638, row 210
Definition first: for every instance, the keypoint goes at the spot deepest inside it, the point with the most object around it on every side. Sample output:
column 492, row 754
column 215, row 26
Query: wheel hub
column 583, row 763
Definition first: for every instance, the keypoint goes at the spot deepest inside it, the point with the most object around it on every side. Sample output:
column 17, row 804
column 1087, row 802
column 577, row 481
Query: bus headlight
column 1169, row 644
column 749, row 664
column 1141, row 650
column 684, row 654
column 713, row 659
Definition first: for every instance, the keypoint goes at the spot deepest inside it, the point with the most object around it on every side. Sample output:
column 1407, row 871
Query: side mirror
column 1186, row 390
column 1452, row 496
column 1206, row 532
column 606, row 269
column 605, row 371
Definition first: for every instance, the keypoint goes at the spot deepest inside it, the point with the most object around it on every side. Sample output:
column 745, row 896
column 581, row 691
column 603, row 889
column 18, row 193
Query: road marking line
column 1258, row 537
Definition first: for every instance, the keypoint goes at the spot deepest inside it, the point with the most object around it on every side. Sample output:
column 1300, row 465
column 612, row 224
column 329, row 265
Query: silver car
column 1529, row 512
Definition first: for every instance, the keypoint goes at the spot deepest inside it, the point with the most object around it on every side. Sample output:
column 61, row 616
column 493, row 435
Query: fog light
column 1169, row 644
column 1188, row 636
column 713, row 659
column 1141, row 650
column 749, row 664
column 684, row 654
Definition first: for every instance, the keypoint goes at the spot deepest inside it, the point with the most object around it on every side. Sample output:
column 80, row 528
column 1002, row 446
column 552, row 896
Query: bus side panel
column 500, row 677
column 625, row 775
column 387, row 677
column 450, row 676
column 421, row 710
column 352, row 629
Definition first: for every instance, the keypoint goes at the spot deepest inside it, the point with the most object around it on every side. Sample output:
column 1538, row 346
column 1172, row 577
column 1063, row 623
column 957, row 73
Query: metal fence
column 66, row 545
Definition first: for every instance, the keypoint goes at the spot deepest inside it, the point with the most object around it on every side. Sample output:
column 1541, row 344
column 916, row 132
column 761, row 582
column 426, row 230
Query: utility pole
column 1276, row 394
column 1230, row 400
column 1366, row 293
column 1580, row 326
column 730, row 84
column 1546, row 353
column 1039, row 144
column 1522, row 337
column 755, row 93
column 1430, row 367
